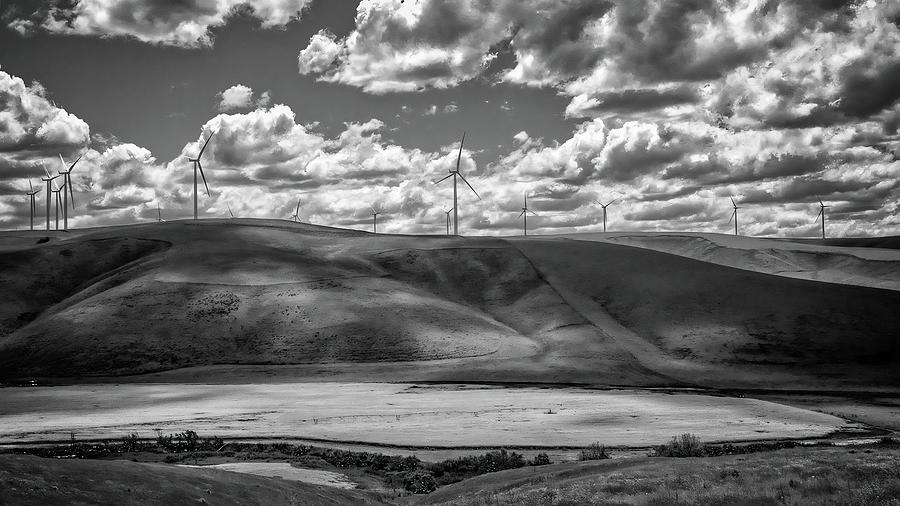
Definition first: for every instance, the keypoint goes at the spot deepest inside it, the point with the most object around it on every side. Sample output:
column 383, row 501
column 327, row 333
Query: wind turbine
column 524, row 215
column 31, row 193
column 158, row 214
column 604, row 206
column 67, row 183
column 822, row 208
column 196, row 162
column 374, row 221
column 296, row 215
column 229, row 210
column 447, row 212
column 56, row 191
column 47, row 179
column 734, row 216
column 454, row 174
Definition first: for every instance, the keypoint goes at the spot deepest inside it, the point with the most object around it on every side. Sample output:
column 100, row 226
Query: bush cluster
column 594, row 451
column 686, row 445
column 461, row 468
column 407, row 472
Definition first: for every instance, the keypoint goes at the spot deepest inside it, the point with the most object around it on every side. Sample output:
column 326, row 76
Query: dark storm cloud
column 559, row 39
column 864, row 94
column 443, row 23
column 813, row 188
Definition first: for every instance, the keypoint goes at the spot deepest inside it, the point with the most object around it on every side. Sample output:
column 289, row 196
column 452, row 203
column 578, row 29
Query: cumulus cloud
column 30, row 121
column 235, row 97
column 670, row 171
column 741, row 64
column 239, row 97
column 183, row 23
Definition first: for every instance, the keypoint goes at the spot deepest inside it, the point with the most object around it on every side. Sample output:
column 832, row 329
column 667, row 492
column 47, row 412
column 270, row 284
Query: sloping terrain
column 791, row 476
column 873, row 261
column 717, row 326
column 33, row 480
column 156, row 297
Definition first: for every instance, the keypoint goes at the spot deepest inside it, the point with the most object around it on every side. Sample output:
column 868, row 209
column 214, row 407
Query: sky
column 672, row 108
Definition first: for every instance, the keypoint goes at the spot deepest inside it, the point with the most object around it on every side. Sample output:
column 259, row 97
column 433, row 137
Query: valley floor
column 402, row 415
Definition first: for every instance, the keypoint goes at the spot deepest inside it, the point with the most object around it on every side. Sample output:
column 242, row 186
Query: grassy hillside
column 721, row 326
column 873, row 262
column 793, row 476
column 29, row 480
column 127, row 300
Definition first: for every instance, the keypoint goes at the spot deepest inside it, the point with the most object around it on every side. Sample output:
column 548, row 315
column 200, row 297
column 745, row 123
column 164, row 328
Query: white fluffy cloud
column 236, row 97
column 184, row 23
column 241, row 97
column 29, row 120
column 400, row 46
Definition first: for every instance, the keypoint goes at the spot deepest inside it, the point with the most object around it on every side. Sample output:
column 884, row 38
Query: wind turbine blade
column 204, row 144
column 71, row 191
column 470, row 186
column 732, row 202
column 611, row 201
column 821, row 204
column 520, row 214
column 63, row 162
column 204, row 177
column 445, row 177
column 297, row 212
column 532, row 212
column 817, row 216
column 731, row 217
column 229, row 210
column 459, row 157
column 73, row 163
column 30, row 187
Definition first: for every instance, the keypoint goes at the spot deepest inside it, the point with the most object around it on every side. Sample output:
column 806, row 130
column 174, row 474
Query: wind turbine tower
column 48, row 179
column 67, row 183
column 447, row 213
column 196, row 162
column 604, row 206
column 454, row 174
column 734, row 216
column 374, row 221
column 158, row 213
column 524, row 215
column 296, row 215
column 822, row 208
column 31, row 193
column 56, row 191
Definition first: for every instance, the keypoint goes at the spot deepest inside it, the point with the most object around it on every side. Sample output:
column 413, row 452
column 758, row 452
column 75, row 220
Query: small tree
column 594, row 451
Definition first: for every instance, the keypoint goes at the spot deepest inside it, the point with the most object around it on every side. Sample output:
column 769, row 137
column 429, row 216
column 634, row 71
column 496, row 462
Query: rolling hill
column 318, row 302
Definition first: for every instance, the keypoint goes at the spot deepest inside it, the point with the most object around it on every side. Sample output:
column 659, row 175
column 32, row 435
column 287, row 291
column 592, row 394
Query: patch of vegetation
column 461, row 468
column 408, row 473
column 541, row 459
column 213, row 305
column 807, row 475
column 686, row 445
column 594, row 451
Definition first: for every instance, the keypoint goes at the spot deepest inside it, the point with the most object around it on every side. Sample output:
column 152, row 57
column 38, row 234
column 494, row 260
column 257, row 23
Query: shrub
column 458, row 469
column 595, row 451
column 686, row 445
column 419, row 482
column 131, row 443
column 541, row 459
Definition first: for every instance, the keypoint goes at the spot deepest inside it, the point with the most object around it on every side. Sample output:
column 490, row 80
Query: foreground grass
column 820, row 476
